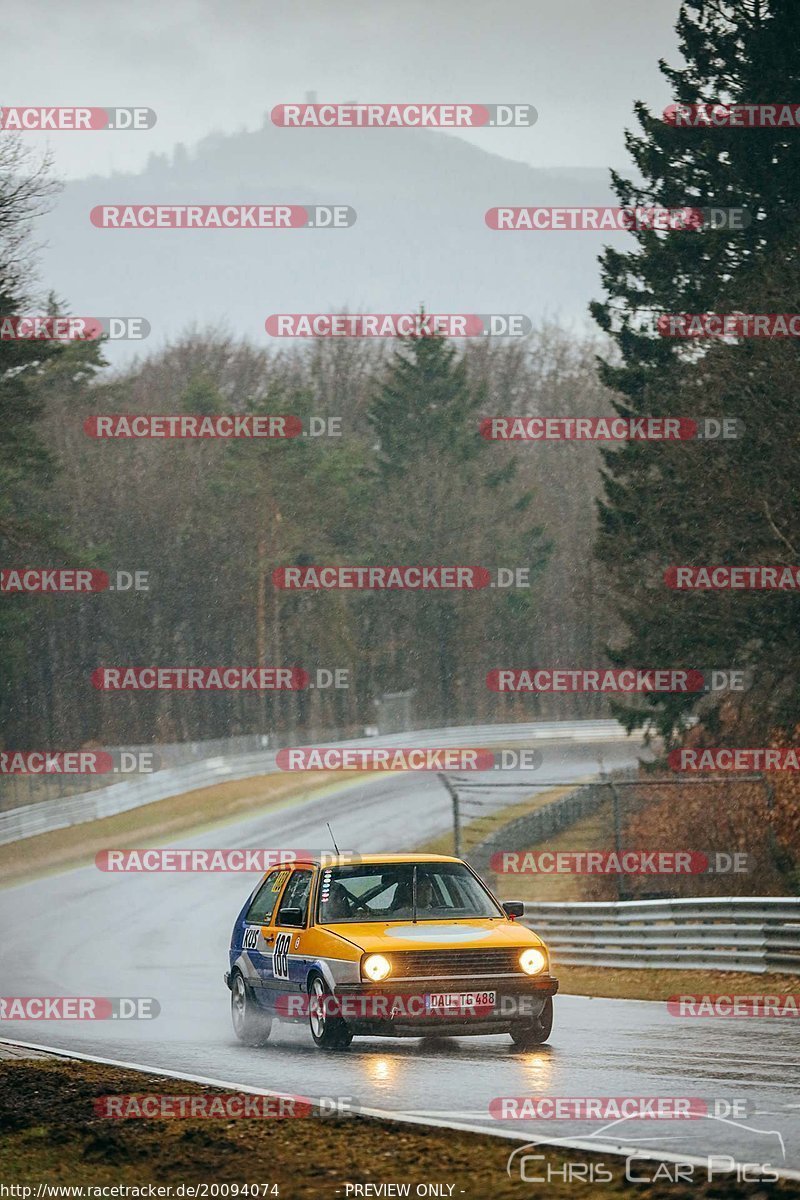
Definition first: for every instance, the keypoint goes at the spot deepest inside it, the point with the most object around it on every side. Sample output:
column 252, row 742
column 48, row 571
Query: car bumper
column 401, row 1010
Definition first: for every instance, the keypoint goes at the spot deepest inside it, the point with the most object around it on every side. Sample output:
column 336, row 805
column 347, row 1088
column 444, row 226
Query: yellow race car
column 395, row 945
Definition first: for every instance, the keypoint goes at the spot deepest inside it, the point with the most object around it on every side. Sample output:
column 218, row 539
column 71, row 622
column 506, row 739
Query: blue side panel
column 237, row 936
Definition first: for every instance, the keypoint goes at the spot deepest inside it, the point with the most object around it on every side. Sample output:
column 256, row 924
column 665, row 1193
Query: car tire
column 250, row 1023
column 532, row 1033
column 328, row 1031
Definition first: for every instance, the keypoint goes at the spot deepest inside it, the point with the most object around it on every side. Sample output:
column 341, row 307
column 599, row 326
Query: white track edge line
column 383, row 1115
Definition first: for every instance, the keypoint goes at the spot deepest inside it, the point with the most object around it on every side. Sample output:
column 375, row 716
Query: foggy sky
column 218, row 65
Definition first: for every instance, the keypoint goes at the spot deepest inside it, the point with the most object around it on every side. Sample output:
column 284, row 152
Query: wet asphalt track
column 84, row 932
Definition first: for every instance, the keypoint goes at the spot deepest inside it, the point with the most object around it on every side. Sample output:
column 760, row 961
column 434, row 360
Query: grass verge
column 595, row 832
column 51, row 1135
column 655, row 984
column 473, row 832
column 194, row 811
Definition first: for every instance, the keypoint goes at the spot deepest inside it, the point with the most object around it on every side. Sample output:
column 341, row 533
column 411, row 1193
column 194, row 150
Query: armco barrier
column 754, row 934
column 31, row 819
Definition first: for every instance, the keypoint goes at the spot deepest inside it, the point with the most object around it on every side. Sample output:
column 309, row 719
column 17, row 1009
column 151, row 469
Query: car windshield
column 385, row 892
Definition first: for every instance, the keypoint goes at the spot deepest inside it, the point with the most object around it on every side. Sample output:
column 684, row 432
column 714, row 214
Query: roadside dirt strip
column 76, row 1126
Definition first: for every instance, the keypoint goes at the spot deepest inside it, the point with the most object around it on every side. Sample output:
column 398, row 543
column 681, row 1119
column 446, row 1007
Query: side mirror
column 291, row 916
column 514, row 908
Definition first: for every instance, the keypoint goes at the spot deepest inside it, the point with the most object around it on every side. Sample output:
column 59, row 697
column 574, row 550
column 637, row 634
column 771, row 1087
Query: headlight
column 532, row 961
column 376, row 967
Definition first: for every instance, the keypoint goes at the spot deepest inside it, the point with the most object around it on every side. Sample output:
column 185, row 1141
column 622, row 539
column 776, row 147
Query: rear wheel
column 328, row 1030
column 250, row 1023
column 533, row 1033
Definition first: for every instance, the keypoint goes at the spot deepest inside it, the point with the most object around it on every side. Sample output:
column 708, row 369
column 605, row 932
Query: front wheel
column 532, row 1033
column 250, row 1023
column 328, row 1030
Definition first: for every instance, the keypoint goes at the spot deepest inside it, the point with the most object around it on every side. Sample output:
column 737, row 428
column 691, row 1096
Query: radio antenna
column 333, row 839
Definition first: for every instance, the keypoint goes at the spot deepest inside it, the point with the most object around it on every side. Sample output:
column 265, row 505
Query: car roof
column 346, row 860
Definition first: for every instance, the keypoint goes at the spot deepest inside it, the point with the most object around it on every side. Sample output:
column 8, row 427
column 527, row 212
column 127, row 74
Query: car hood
column 384, row 936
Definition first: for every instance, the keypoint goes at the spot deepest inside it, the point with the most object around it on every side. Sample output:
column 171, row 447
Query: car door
column 288, row 967
column 258, row 934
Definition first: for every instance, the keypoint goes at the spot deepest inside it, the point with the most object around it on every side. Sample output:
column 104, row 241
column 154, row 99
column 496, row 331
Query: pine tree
column 439, row 497
column 426, row 407
column 30, row 532
column 698, row 502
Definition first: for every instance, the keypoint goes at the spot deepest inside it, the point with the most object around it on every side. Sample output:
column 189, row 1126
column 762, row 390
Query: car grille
column 472, row 964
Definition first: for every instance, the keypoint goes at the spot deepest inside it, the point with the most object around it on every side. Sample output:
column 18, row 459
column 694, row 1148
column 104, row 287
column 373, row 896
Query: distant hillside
column 420, row 236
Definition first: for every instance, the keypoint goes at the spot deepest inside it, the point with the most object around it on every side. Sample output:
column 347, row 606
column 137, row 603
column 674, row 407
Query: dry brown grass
column 78, row 844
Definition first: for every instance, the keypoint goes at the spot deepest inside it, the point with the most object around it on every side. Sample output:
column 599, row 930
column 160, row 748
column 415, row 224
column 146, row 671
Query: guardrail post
column 456, row 813
column 606, row 780
column 780, row 860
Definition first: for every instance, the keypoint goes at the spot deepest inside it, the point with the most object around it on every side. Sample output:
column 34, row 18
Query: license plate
column 439, row 1001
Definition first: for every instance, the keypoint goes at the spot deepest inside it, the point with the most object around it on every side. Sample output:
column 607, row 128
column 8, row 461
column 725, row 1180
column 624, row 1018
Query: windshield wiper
column 414, row 895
